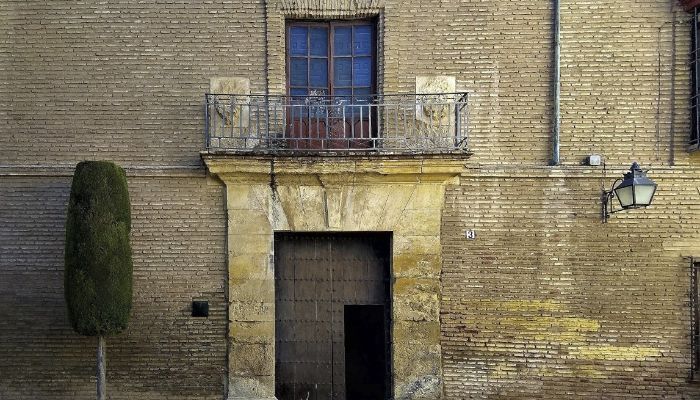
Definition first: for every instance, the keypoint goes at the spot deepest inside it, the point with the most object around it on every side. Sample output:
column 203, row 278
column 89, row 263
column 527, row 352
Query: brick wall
column 625, row 82
column 548, row 302
column 178, row 241
column 538, row 306
column 122, row 79
column 125, row 79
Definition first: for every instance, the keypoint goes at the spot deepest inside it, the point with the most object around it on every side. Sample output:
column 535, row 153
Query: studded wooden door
column 332, row 316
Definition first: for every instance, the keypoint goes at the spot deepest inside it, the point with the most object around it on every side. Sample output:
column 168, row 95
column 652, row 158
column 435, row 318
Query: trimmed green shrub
column 98, row 265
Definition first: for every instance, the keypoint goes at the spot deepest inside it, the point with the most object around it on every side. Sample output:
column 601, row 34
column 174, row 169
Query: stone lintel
column 329, row 170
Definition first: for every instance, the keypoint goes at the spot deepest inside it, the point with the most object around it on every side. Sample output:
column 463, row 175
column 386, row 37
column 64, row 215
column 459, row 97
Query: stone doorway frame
column 400, row 194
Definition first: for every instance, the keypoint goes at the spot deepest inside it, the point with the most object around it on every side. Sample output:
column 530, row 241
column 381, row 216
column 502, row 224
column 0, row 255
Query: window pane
column 362, row 95
column 342, row 95
column 343, row 92
column 296, row 111
column 297, row 41
column 319, row 72
column 342, row 41
column 319, row 41
column 643, row 194
column 298, row 72
column 362, row 74
column 362, row 41
column 342, row 71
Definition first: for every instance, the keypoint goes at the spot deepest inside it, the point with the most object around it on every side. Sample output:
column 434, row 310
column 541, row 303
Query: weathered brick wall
column 178, row 241
column 625, row 90
column 536, row 307
column 121, row 79
column 500, row 52
column 126, row 79
column 548, row 302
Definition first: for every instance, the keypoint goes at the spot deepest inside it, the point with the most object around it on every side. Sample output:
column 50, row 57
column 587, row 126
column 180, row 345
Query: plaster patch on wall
column 433, row 111
column 436, row 84
column 546, row 329
column 517, row 305
column 616, row 353
column 229, row 85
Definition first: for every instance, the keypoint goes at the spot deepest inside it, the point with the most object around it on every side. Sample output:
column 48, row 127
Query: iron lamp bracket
column 606, row 200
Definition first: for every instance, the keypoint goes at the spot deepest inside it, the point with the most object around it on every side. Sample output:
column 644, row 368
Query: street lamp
column 635, row 190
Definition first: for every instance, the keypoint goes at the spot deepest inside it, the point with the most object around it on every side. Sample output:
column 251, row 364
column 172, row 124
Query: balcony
column 319, row 124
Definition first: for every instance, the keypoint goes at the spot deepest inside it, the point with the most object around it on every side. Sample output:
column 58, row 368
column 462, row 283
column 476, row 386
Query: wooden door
column 332, row 295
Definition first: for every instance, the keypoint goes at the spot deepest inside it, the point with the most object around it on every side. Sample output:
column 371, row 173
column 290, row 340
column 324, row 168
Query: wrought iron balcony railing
column 401, row 123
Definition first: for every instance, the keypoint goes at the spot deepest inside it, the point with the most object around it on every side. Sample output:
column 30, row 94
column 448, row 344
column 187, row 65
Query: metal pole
column 206, row 122
column 101, row 369
column 457, row 124
column 557, row 84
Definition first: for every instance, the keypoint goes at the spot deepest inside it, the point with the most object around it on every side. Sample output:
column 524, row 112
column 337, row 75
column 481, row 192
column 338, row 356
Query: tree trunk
column 101, row 369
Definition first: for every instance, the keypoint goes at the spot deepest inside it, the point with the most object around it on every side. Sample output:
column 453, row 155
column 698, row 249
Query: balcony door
column 330, row 81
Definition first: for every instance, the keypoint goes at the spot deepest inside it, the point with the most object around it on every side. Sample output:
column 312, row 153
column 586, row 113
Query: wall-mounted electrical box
column 200, row 308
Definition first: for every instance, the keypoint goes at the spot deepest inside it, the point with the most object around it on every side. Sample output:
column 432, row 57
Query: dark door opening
column 365, row 353
column 332, row 316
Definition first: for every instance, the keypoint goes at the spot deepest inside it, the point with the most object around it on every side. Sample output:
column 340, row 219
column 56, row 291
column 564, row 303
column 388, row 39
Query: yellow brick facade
column 545, row 302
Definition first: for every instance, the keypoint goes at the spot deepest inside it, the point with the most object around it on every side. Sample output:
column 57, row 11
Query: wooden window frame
column 330, row 24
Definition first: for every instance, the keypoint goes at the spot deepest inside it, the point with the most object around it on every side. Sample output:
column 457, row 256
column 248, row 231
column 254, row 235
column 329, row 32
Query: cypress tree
column 98, row 264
